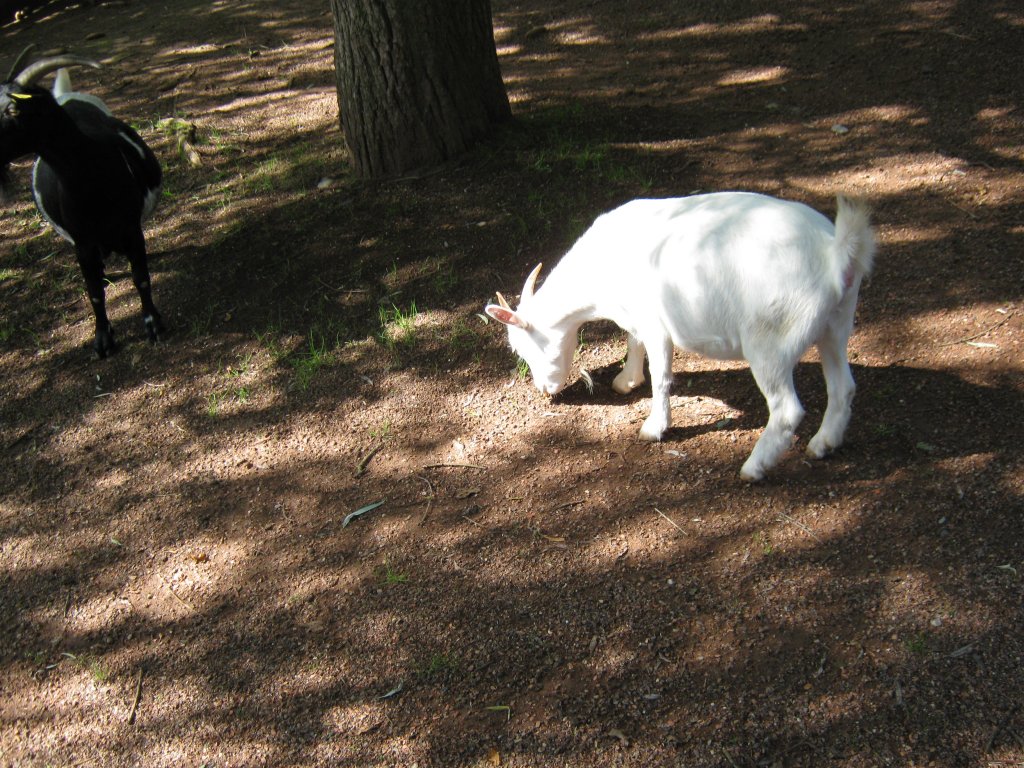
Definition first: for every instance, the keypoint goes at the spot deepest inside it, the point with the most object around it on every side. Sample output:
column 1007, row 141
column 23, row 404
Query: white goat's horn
column 38, row 69
column 531, row 282
column 502, row 303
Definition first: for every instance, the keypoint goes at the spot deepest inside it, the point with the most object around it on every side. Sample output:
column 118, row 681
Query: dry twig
column 176, row 596
column 138, row 697
column 361, row 466
column 964, row 340
column 673, row 522
column 798, row 524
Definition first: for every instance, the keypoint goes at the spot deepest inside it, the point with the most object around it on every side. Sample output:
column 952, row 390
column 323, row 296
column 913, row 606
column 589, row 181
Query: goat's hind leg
column 90, row 261
column 660, row 418
column 140, row 277
column 775, row 381
column 632, row 374
column 840, row 387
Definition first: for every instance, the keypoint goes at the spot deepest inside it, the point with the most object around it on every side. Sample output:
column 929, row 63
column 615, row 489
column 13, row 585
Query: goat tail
column 854, row 245
column 61, row 83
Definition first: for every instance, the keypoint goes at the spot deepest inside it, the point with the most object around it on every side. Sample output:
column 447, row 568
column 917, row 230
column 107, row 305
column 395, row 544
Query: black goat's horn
column 18, row 62
column 37, row 69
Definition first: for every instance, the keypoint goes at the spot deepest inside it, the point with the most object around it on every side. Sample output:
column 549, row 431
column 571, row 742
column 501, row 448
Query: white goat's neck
column 563, row 303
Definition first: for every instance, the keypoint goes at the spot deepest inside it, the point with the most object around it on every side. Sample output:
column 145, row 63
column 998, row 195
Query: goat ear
column 506, row 316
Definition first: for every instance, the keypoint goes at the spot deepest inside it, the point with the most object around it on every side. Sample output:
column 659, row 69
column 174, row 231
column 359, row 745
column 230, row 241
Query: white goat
column 732, row 275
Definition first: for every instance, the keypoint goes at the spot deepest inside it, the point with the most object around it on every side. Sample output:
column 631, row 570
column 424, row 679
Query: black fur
column 92, row 182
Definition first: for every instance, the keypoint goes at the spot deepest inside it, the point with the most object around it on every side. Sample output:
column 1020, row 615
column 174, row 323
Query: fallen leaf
column 493, row 758
column 361, row 511
column 615, row 733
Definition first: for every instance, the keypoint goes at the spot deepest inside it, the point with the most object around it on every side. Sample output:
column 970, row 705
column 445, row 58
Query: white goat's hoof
column 752, row 474
column 651, row 433
column 623, row 384
column 819, row 447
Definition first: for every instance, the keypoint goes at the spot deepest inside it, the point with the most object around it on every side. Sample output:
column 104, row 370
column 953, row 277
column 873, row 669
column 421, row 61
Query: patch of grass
column 580, row 344
column 462, row 337
column 310, row 359
column 444, row 280
column 236, row 390
column 382, row 432
column 270, row 341
column 391, row 576
column 917, row 645
column 522, row 369
column 398, row 326
column 316, row 352
column 213, row 403
column 201, row 321
column 96, row 669
column 762, row 540
column 438, row 665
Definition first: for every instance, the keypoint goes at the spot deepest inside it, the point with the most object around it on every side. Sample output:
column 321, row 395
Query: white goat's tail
column 61, row 83
column 63, row 92
column 854, row 244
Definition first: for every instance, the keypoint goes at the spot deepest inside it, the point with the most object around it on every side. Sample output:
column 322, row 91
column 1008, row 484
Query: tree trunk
column 418, row 82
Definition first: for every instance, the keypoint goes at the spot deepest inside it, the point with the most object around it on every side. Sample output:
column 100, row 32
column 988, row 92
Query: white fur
column 63, row 93
column 732, row 275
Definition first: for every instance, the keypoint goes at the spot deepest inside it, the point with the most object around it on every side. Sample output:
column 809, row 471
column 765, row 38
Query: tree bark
column 418, row 82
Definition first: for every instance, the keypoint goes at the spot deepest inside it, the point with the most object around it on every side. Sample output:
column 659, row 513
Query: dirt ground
column 178, row 585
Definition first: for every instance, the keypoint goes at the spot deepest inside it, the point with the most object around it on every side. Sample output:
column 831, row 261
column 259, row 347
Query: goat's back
column 715, row 270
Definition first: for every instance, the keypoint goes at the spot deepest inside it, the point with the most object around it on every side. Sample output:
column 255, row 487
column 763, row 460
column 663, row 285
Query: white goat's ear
column 506, row 316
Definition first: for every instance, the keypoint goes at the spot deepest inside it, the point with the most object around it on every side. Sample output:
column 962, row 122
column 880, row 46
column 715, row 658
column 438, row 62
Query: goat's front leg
column 659, row 356
column 90, row 261
column 140, row 277
column 632, row 374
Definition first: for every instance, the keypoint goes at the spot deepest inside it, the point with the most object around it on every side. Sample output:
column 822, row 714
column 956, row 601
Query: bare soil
column 178, row 585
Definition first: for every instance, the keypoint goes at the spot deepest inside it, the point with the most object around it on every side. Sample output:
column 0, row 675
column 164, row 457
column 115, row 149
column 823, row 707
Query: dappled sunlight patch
column 901, row 234
column 894, row 175
column 1010, row 19
column 198, row 574
column 612, row 660
column 584, row 35
column 752, row 76
column 768, row 22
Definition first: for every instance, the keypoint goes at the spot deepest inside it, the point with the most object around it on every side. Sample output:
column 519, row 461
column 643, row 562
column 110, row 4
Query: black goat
column 95, row 180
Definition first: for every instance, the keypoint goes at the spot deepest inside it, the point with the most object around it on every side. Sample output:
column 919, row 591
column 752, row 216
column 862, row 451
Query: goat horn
column 531, row 282
column 502, row 303
column 20, row 61
column 38, row 69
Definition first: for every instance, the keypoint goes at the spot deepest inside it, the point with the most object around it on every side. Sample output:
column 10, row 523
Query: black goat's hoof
column 104, row 343
column 154, row 326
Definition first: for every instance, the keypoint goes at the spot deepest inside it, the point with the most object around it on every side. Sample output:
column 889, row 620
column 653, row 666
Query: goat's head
column 27, row 110
column 545, row 348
